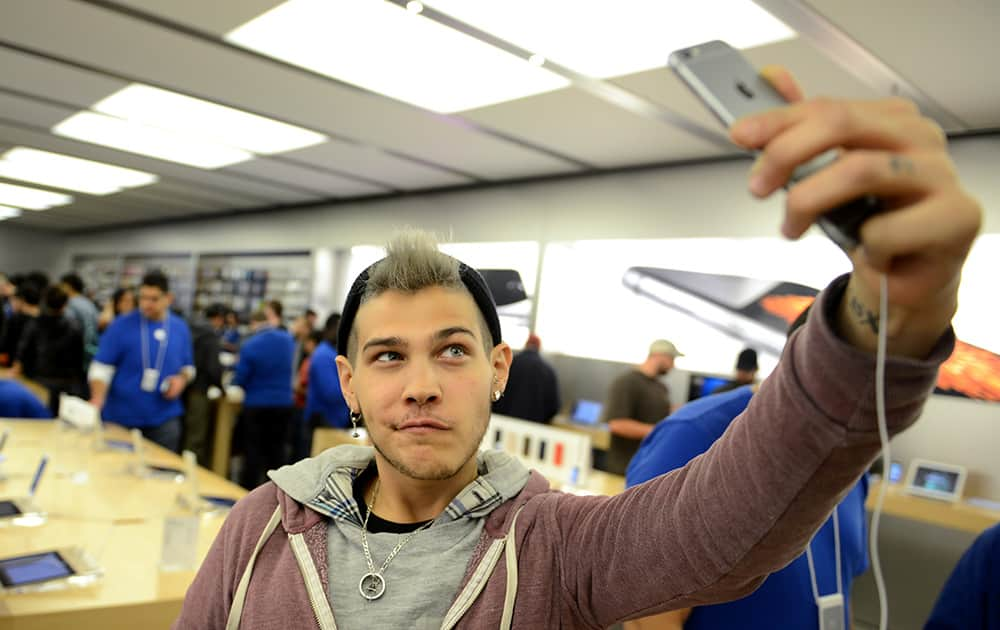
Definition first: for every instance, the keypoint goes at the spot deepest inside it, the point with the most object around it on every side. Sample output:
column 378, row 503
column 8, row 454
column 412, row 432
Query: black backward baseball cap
column 471, row 278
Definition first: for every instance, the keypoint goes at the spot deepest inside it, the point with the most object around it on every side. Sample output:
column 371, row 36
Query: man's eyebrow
column 453, row 330
column 392, row 342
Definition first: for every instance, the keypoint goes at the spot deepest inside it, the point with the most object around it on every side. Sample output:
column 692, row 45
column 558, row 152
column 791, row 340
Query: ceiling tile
column 947, row 50
column 590, row 129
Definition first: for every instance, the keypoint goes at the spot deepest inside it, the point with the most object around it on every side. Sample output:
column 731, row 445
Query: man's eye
column 385, row 357
column 454, row 352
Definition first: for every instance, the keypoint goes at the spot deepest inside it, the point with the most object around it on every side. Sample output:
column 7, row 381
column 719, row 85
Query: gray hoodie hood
column 325, row 483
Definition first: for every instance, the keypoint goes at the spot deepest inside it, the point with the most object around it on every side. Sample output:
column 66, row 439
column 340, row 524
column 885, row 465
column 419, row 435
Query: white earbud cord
column 883, row 432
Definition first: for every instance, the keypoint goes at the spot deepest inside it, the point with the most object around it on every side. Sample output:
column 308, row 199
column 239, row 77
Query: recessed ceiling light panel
column 70, row 173
column 384, row 48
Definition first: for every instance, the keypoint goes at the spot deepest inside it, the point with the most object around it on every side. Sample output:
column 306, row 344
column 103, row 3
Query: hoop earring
column 355, row 416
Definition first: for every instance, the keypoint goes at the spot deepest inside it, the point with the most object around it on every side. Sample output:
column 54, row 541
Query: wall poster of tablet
column 47, row 570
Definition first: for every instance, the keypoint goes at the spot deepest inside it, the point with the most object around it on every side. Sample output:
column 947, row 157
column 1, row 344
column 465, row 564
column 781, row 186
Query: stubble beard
column 442, row 472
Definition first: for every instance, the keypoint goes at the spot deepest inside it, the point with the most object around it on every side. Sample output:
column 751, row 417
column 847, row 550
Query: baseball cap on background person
column 662, row 346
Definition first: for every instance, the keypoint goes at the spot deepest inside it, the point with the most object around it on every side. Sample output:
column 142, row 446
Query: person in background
column 25, row 309
column 300, row 330
column 970, row 599
column 17, row 401
column 7, row 289
column 144, row 362
column 325, row 404
column 51, row 350
column 636, row 401
column 311, row 319
column 231, row 334
column 746, row 371
column 83, row 311
column 264, row 382
column 533, row 388
column 198, row 407
column 39, row 279
column 122, row 302
column 786, row 599
column 274, row 312
column 301, row 431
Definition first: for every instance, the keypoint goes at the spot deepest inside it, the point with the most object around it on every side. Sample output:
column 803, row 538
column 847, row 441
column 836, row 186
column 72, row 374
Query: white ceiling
column 60, row 56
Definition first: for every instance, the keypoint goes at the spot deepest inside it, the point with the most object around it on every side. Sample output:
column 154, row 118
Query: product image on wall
column 748, row 309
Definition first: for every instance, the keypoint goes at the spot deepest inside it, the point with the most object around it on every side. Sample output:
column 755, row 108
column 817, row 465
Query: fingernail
column 758, row 185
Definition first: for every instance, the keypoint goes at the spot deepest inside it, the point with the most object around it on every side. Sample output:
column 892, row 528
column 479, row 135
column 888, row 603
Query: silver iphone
column 722, row 78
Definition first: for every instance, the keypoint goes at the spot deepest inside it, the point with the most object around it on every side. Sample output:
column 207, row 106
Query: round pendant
column 372, row 585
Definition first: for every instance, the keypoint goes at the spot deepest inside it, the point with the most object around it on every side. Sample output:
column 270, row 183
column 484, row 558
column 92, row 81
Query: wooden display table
column 94, row 501
column 959, row 516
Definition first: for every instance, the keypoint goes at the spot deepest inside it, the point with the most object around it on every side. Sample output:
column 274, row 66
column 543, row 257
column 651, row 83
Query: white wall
column 23, row 250
column 694, row 201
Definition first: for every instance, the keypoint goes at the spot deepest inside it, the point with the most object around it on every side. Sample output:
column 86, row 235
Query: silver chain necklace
column 372, row 584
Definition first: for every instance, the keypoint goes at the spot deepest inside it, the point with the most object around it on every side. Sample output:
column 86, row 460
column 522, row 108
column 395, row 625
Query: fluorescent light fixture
column 31, row 198
column 210, row 122
column 413, row 6
column 607, row 39
column 145, row 140
column 384, row 48
column 7, row 212
column 62, row 171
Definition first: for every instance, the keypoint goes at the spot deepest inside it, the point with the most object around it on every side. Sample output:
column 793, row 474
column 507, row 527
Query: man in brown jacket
column 423, row 531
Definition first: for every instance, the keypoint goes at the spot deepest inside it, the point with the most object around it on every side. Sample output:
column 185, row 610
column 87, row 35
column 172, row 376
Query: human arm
column 177, row 383
column 630, row 428
column 619, row 411
column 673, row 620
column 102, row 368
column 712, row 530
column 921, row 239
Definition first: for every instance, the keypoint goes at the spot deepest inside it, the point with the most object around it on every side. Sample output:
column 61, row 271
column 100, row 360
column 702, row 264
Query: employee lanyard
column 161, row 352
column 836, row 555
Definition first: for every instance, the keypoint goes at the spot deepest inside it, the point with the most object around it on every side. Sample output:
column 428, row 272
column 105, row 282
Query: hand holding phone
column 888, row 149
column 731, row 88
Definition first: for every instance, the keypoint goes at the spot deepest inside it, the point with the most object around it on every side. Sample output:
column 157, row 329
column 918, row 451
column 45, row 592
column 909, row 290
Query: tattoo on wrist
column 863, row 314
column 901, row 165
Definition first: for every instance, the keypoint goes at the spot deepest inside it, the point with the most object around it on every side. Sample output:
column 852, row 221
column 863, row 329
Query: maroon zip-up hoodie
column 702, row 534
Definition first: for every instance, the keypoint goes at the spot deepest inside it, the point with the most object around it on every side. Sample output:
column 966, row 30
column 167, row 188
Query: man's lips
column 422, row 424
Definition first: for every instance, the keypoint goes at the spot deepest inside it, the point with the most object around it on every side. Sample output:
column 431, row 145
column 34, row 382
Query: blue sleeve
column 324, row 378
column 33, row 408
column 244, row 367
column 672, row 444
column 962, row 603
column 109, row 347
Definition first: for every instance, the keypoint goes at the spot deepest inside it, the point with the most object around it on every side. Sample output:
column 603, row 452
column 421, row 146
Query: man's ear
column 346, row 374
column 500, row 359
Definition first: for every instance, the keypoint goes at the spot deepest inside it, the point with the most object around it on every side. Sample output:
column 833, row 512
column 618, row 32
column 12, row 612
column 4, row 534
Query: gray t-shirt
column 417, row 594
column 637, row 396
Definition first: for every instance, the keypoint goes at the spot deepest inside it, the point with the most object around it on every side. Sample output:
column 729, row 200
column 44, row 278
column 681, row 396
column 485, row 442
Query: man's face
column 422, row 379
column 665, row 364
column 153, row 302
